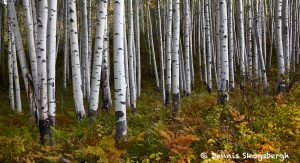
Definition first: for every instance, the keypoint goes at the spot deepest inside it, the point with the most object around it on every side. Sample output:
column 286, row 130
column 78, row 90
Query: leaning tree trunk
column 16, row 78
column 76, row 75
column 97, row 64
column 175, row 56
column 31, row 43
column 119, row 70
column 51, row 58
column 12, row 18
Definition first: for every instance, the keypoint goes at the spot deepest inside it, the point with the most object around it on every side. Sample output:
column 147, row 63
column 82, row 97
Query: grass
column 254, row 124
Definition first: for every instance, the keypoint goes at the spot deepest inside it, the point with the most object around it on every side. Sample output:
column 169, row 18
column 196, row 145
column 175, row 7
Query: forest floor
column 250, row 123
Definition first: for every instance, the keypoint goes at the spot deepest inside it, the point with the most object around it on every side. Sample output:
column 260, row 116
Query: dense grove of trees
column 226, row 43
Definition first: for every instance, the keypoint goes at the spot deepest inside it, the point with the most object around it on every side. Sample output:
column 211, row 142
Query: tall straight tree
column 278, row 40
column 51, row 59
column 168, row 52
column 231, row 45
column 209, row 46
column 137, row 48
column 224, row 47
column 85, row 51
column 241, row 31
column 105, row 74
column 76, row 75
column 131, row 55
column 119, row 70
column 161, row 50
column 187, row 47
column 42, row 69
column 175, row 56
column 97, row 64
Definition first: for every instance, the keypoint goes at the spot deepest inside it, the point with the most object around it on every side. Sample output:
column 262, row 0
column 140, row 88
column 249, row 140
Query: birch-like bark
column 187, row 48
column 161, row 50
column 286, row 34
column 131, row 54
column 76, row 74
column 224, row 47
column 278, row 39
column 16, row 78
column 11, row 72
column 175, row 56
column 42, row 69
column 241, row 31
column 51, row 59
column 66, row 46
column 12, row 18
column 137, row 48
column 208, row 48
column 230, row 45
column 152, row 44
column 169, row 52
column 97, row 63
column 119, row 70
column 31, row 42
column 105, row 74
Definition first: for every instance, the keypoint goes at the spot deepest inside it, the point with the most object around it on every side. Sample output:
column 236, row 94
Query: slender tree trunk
column 11, row 72
column 119, row 70
column 161, row 49
column 152, row 44
column 137, row 48
column 106, row 95
column 76, row 76
column 175, row 56
column 187, row 47
column 208, row 48
column 241, row 31
column 51, row 58
column 131, row 54
column 169, row 52
column 278, row 38
column 66, row 46
column 230, row 45
column 42, row 69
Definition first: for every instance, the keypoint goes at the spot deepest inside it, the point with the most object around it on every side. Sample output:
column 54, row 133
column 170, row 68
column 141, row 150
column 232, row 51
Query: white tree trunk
column 119, row 70
column 131, row 54
column 51, row 58
column 85, row 50
column 278, row 39
column 76, row 76
column 241, row 31
column 169, row 52
column 187, row 48
column 224, row 46
column 161, row 49
column 175, row 56
column 97, row 63
column 31, row 43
